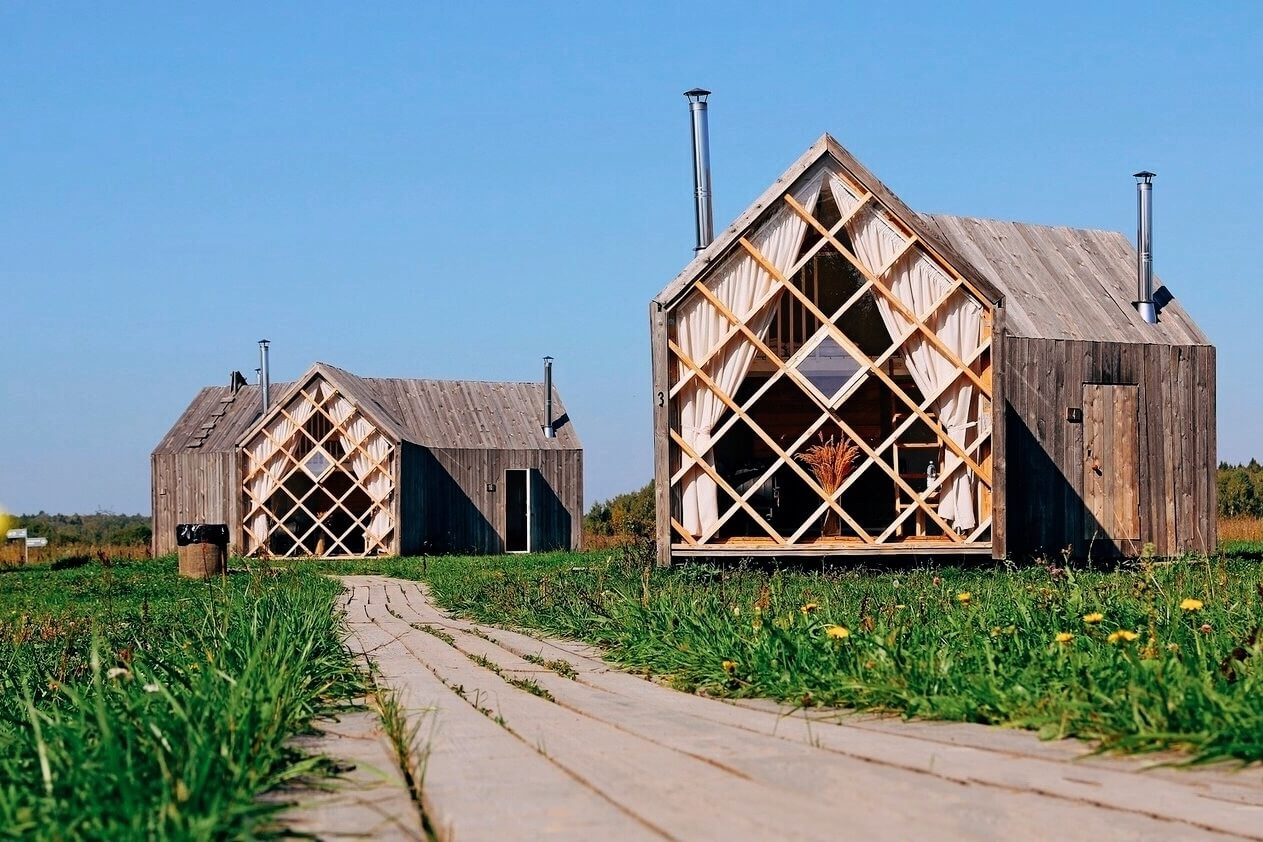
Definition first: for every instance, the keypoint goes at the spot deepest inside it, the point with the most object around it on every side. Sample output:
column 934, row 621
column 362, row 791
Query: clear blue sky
column 452, row 190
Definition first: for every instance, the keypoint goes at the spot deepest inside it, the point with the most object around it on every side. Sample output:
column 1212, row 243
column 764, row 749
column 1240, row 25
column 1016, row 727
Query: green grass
column 135, row 704
column 1191, row 679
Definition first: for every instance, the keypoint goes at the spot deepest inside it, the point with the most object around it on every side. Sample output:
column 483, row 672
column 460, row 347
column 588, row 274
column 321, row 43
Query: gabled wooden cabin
column 341, row 465
column 1005, row 395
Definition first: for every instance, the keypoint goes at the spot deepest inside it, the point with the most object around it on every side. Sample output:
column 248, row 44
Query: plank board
column 1111, row 471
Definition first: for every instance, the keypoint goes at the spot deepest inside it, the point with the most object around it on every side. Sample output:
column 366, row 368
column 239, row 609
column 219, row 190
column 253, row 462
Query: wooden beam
column 862, row 358
column 768, row 440
column 735, row 324
column 898, row 305
column 722, row 483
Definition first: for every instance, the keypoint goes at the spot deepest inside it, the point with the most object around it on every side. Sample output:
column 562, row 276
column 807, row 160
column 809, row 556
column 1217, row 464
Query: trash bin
column 203, row 549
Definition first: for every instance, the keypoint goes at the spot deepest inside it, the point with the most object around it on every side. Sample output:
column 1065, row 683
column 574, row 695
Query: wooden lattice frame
column 974, row 458
column 320, row 396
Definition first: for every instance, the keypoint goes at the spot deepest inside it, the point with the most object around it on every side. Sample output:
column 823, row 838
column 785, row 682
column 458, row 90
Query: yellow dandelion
column 1122, row 636
column 730, row 667
column 837, row 632
column 1190, row 604
column 1093, row 618
column 964, row 597
column 1064, row 637
column 809, row 608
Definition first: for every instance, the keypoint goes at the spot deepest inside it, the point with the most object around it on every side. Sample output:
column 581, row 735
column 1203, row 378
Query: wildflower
column 1190, row 604
column 730, row 667
column 1064, row 637
column 116, row 672
column 1093, row 618
column 1206, row 628
column 837, row 632
column 1122, row 635
column 736, row 610
column 809, row 608
column 964, row 597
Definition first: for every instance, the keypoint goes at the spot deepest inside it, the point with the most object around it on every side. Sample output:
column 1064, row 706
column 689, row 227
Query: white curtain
column 740, row 282
column 917, row 282
column 361, row 437
column 270, row 452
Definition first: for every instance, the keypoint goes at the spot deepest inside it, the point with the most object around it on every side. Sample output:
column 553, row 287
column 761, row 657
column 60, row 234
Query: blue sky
column 454, row 190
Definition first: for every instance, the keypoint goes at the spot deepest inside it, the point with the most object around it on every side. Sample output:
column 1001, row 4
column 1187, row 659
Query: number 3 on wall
column 662, row 399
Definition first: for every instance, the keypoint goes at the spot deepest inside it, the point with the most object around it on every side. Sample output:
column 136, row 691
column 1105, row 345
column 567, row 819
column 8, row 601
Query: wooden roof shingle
column 455, row 414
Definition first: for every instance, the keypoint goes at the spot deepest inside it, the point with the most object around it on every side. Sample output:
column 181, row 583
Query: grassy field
column 135, row 704
column 1144, row 657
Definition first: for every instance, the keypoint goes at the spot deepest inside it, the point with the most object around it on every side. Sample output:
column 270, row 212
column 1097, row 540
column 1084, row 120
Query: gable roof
column 453, row 414
column 1053, row 282
column 218, row 413
column 1066, row 283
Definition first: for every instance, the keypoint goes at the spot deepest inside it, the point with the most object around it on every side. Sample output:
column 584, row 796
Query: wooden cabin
column 342, row 465
column 1002, row 393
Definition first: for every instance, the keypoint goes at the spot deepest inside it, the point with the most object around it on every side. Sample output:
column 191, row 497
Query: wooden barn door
column 1111, row 465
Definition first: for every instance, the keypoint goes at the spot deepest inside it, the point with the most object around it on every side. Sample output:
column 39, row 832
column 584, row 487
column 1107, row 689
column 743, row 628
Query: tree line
column 1241, row 489
column 97, row 529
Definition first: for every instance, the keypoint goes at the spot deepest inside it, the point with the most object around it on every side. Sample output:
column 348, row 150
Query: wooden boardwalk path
column 521, row 749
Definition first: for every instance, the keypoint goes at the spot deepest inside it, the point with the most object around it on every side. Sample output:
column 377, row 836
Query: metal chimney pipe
column 701, row 167
column 1144, row 247
column 265, row 381
column 549, row 432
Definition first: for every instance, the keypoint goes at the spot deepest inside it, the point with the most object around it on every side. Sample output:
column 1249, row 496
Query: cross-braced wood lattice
column 794, row 290
column 319, row 480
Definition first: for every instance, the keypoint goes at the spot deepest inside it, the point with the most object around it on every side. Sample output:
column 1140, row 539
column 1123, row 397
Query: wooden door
column 517, row 511
column 1111, row 463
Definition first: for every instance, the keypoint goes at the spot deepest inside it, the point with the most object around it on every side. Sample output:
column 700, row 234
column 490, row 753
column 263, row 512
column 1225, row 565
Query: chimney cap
column 697, row 95
column 1145, row 176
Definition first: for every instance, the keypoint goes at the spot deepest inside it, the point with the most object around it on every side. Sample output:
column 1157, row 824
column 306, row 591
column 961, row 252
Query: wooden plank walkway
column 520, row 749
column 368, row 800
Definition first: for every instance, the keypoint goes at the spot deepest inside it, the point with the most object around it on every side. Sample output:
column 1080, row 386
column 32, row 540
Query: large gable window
column 319, row 480
column 830, row 322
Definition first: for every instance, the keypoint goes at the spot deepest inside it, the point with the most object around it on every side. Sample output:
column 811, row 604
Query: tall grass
column 162, row 723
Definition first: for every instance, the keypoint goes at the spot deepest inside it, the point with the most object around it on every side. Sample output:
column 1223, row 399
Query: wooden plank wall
column 661, row 431
column 193, row 486
column 447, row 506
column 1044, row 451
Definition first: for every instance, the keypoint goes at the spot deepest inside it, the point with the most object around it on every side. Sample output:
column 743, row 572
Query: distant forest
column 100, row 529
column 1241, row 489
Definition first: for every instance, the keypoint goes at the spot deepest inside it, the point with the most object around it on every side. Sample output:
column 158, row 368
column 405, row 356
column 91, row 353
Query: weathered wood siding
column 1044, row 451
column 196, row 486
column 447, row 506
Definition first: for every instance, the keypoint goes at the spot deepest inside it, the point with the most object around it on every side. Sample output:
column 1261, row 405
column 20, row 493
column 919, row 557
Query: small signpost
column 27, row 543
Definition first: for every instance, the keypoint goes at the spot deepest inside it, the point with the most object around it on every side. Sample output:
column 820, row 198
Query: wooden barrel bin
column 202, row 549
